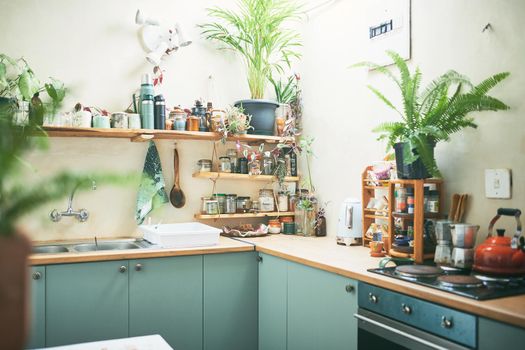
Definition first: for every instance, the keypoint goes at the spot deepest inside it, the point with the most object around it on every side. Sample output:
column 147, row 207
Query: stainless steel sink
column 90, row 247
column 49, row 249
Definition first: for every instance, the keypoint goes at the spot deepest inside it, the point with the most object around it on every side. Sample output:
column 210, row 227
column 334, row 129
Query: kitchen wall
column 92, row 46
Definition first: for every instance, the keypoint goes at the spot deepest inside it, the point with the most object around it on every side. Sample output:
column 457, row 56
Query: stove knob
column 406, row 309
column 446, row 323
column 373, row 298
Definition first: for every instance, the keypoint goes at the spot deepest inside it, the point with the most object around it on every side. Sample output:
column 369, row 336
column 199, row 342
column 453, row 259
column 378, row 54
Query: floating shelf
column 244, row 215
column 375, row 187
column 411, row 216
column 141, row 135
column 235, row 176
column 413, row 181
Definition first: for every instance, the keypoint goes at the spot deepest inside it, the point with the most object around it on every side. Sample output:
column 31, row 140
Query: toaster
column 350, row 225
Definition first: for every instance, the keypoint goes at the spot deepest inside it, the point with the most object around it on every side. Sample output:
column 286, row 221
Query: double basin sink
column 91, row 247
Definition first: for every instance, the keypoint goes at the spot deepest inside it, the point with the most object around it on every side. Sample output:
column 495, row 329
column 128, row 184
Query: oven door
column 379, row 332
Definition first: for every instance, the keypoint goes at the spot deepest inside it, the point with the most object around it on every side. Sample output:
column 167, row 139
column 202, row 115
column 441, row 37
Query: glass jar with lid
column 231, row 204
column 212, row 207
column 282, row 201
column 266, row 201
column 232, row 153
column 225, row 165
column 204, row 205
column 221, row 199
column 204, row 166
column 267, row 164
column 244, row 204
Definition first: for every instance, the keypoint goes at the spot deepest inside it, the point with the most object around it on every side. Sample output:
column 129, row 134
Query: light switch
column 497, row 183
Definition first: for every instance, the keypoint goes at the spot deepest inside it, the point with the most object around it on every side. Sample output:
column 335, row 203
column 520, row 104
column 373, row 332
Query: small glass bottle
column 267, row 164
column 232, row 153
column 221, row 199
column 225, row 165
column 410, row 200
column 401, row 199
column 231, row 204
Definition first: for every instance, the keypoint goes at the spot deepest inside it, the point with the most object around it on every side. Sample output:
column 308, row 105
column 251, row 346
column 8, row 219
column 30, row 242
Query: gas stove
column 459, row 282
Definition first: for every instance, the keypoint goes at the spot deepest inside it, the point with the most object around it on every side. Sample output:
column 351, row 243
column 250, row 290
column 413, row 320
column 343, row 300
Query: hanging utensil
column 177, row 198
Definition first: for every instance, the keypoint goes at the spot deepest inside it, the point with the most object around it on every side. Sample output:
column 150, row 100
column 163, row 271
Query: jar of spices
column 212, row 207
column 221, row 199
column 192, row 123
column 243, row 165
column 401, row 199
column 266, row 202
column 204, row 166
column 179, row 119
column 433, row 202
column 225, row 165
column 274, row 226
column 231, row 204
column 244, row 204
column 410, row 200
column 267, row 164
column 232, row 153
column 282, row 201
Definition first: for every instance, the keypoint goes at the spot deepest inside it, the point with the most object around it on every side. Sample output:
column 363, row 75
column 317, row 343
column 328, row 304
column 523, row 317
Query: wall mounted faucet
column 82, row 215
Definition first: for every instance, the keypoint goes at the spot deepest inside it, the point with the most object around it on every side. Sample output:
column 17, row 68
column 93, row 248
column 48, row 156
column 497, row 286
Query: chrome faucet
column 82, row 215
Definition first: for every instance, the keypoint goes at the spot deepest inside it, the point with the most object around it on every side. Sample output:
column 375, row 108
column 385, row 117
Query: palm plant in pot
column 431, row 115
column 257, row 32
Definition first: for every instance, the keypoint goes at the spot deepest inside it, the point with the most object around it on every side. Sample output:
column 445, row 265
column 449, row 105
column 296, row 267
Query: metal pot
column 464, row 235
column 500, row 255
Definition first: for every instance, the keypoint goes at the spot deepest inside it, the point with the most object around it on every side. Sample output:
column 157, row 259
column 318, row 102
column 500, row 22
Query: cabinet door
column 165, row 297
column 37, row 335
column 86, row 302
column 273, row 275
column 320, row 309
column 230, row 301
column 496, row 335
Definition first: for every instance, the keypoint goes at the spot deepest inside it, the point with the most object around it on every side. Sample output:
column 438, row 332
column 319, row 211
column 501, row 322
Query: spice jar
column 204, row 166
column 225, row 165
column 221, row 199
column 231, row 204
column 433, row 202
column 179, row 119
column 232, row 153
column 244, row 204
column 410, row 200
column 282, row 201
column 274, row 226
column 192, row 123
column 267, row 164
column 266, row 202
column 401, row 199
column 212, row 207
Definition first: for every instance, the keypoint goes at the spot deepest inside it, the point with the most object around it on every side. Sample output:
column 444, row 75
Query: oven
column 391, row 320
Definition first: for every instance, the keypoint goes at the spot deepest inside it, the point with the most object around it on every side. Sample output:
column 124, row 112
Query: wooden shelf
column 366, row 181
column 234, row 176
column 244, row 215
column 375, row 187
column 138, row 135
column 381, row 217
column 411, row 216
column 372, row 210
column 412, row 182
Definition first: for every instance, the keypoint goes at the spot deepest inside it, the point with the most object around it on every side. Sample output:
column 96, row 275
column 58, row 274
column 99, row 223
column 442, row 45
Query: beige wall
column 92, row 46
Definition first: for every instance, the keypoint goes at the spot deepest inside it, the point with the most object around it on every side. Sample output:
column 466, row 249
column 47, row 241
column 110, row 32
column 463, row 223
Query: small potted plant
column 258, row 33
column 431, row 115
column 235, row 122
column 285, row 94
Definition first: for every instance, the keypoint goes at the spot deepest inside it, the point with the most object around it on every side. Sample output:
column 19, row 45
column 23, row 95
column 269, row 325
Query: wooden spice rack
column 370, row 215
column 417, row 218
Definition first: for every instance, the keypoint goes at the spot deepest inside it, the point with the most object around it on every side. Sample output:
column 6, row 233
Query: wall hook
column 488, row 26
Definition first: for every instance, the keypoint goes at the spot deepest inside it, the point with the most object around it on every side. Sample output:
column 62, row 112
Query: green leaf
column 3, row 71
column 25, row 84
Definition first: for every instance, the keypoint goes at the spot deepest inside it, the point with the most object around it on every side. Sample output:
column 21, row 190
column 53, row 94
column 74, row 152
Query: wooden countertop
column 353, row 262
column 226, row 245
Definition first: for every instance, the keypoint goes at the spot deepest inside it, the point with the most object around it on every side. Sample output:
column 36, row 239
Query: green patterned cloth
column 152, row 189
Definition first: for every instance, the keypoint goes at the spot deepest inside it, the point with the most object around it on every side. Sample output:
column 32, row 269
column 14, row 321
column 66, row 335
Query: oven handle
column 397, row 331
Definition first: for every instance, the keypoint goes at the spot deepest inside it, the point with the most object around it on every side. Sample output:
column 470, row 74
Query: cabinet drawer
column 442, row 321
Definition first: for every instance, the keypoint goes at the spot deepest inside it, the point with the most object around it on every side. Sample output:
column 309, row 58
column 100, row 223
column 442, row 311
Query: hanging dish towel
column 152, row 190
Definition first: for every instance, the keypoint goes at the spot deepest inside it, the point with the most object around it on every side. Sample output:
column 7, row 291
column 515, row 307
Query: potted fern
column 258, row 34
column 431, row 115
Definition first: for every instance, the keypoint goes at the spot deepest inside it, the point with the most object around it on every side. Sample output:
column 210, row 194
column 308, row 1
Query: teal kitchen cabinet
column 496, row 335
column 321, row 306
column 165, row 297
column 37, row 331
column 230, row 301
column 86, row 302
column 273, row 289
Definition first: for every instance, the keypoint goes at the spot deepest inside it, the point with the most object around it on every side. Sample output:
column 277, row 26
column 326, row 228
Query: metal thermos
column 160, row 112
column 146, row 112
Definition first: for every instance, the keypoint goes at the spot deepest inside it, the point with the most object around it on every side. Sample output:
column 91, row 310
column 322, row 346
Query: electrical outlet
column 497, row 183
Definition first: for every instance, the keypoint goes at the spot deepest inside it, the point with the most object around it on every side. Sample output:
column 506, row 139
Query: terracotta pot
column 14, row 281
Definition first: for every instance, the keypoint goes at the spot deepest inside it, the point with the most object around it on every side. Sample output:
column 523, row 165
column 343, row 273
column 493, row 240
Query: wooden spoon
column 177, row 197
column 453, row 207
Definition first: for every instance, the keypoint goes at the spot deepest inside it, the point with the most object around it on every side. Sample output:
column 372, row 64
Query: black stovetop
column 491, row 290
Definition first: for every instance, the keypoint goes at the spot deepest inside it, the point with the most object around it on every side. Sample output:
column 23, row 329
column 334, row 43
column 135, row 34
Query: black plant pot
column 263, row 115
column 415, row 170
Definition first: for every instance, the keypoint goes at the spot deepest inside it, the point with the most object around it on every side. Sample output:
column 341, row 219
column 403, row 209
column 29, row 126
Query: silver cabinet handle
column 349, row 288
column 446, row 323
column 36, row 275
column 138, row 267
column 122, row 269
column 373, row 298
column 406, row 309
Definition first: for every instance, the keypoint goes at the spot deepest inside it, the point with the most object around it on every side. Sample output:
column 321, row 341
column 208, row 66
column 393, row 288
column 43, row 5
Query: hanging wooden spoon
column 177, row 197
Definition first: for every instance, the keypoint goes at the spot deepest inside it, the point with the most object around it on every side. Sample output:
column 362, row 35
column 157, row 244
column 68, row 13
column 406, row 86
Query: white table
column 149, row 342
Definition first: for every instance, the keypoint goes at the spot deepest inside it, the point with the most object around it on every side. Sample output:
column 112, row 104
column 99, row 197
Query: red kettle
column 500, row 255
